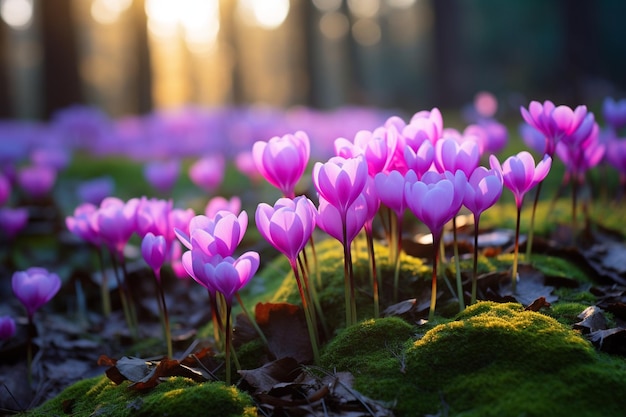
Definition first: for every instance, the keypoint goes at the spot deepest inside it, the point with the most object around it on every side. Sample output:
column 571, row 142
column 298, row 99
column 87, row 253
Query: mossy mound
column 497, row 359
column 175, row 397
column 492, row 360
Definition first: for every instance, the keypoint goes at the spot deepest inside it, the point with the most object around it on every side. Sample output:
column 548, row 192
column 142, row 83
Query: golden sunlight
column 266, row 14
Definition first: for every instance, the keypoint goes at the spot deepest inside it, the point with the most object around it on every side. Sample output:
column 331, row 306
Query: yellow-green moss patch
column 172, row 398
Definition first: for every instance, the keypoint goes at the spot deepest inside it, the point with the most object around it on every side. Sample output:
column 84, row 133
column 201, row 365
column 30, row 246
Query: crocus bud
column 35, row 287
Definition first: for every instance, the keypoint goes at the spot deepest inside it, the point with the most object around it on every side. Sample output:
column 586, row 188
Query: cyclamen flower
column 35, row 287
column 340, row 181
column 377, row 148
column 436, row 199
column 553, row 122
column 452, row 155
column 520, row 174
column 5, row 189
column 330, row 219
column 208, row 172
column 162, row 175
column 154, row 252
column 219, row 203
column 95, row 190
column 614, row 113
column 80, row 224
column 36, row 180
column 7, row 327
column 116, row 221
column 13, row 220
column 153, row 216
column 390, row 191
column 483, row 190
column 288, row 225
column 215, row 236
column 283, row 160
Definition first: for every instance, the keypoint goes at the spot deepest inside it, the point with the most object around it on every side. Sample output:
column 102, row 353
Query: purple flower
column 244, row 162
column 36, row 180
column 340, row 181
column 582, row 154
column 553, row 122
column 421, row 159
column 219, row 203
column 288, row 225
column 390, row 190
column 614, row 113
column 377, row 148
column 225, row 275
column 208, row 172
column 116, row 221
column 162, row 175
column 215, row 236
column 95, row 190
column 7, row 327
column 153, row 216
column 282, row 160
column 154, row 250
column 80, row 224
column 483, row 190
column 12, row 221
column 5, row 189
column 330, row 219
column 520, row 174
column 435, row 199
column 35, row 287
column 452, row 155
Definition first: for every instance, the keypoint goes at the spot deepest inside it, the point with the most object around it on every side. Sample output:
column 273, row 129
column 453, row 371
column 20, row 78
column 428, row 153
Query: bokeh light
column 266, row 14
column 107, row 12
column 334, row 25
column 17, row 13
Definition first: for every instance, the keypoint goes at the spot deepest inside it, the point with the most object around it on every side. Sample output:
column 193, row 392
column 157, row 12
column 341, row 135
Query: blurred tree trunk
column 446, row 50
column 5, row 91
column 143, row 74
column 61, row 80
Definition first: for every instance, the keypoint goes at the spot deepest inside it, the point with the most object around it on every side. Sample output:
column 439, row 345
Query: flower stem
column 215, row 317
column 105, row 296
column 316, row 265
column 165, row 320
column 227, row 347
column 311, row 291
column 531, row 231
column 475, row 269
column 516, row 250
column 373, row 273
column 457, row 267
column 574, row 204
column 251, row 319
column 307, row 312
column 121, row 285
column 433, row 290
column 29, row 349
column 398, row 245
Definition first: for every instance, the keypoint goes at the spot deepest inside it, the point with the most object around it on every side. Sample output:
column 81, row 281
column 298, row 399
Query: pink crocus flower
column 34, row 287
column 483, row 190
column 154, row 250
column 421, row 159
column 219, row 203
column 162, row 175
column 282, row 160
column 7, row 327
column 36, row 180
column 553, row 122
column 246, row 165
column 208, row 172
column 340, row 181
column 288, row 225
column 520, row 174
column 377, row 148
column 13, row 220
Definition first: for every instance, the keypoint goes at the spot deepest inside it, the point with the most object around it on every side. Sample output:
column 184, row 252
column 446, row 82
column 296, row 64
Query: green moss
column 331, row 293
column 373, row 351
column 174, row 397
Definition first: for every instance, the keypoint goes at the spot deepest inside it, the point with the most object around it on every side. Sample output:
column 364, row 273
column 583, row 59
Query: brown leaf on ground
column 286, row 331
column 263, row 379
column 592, row 320
column 610, row 340
column 538, row 304
column 147, row 374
